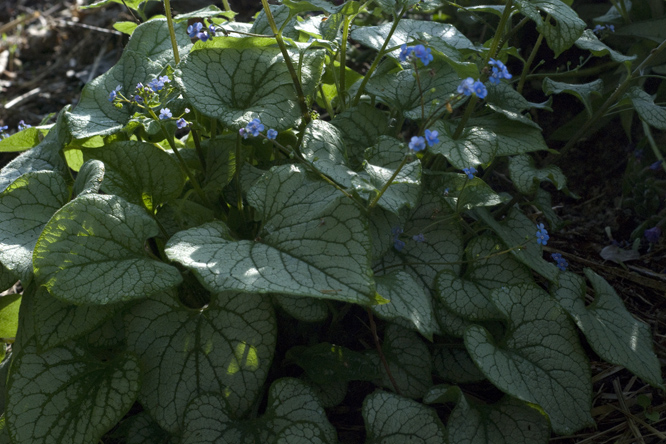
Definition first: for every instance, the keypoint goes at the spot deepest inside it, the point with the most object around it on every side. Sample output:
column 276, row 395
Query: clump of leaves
column 232, row 227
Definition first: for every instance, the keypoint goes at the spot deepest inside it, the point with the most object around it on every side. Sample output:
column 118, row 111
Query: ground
column 52, row 49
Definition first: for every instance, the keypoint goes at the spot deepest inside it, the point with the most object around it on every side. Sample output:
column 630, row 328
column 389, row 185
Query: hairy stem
column 172, row 32
column 373, row 327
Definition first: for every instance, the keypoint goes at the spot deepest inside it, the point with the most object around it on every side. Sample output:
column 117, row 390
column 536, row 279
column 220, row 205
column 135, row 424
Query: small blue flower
column 405, row 52
column 652, row 234
column 611, row 27
column 211, row 29
column 2, row 131
column 542, row 235
column 417, row 144
column 397, row 243
column 243, row 132
column 194, row 29
column 138, row 99
column 423, row 54
column 466, row 86
column 271, row 134
column 164, row 79
column 562, row 263
column 431, row 137
column 114, row 93
column 187, row 110
column 470, row 172
column 446, row 191
column 419, row 237
column 181, row 123
column 22, row 125
column 165, row 113
column 597, row 29
column 202, row 36
column 254, row 127
column 480, row 89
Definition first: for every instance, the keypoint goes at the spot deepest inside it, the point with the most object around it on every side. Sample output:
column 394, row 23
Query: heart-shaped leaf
column 92, row 252
column 226, row 347
column 25, row 208
column 392, row 419
column 475, row 146
column 314, row 242
column 67, row 395
column 148, row 52
column 293, row 416
column 248, row 83
column 126, row 174
column 539, row 360
column 565, row 30
column 613, row 333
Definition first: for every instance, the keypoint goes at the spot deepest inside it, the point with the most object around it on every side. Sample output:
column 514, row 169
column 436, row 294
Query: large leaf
column 405, row 93
column 361, row 127
column 139, row 172
column 649, row 112
column 44, row 157
column 293, row 416
column 92, row 252
column 527, row 177
column 25, row 208
column 409, row 31
column 591, row 42
column 226, row 347
column 250, row 82
column 582, row 91
column 463, row 193
column 567, row 28
column 148, row 52
column 513, row 135
column 510, row 103
column 612, row 332
column 323, row 145
column 454, row 364
column 539, row 360
column 468, row 296
column 442, row 246
column 408, row 301
column 408, row 360
column 57, row 322
column 508, row 421
column 314, row 242
column 67, row 395
column 392, row 419
column 519, row 234
column 476, row 145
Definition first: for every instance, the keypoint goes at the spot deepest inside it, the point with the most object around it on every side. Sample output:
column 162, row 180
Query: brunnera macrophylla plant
column 193, row 235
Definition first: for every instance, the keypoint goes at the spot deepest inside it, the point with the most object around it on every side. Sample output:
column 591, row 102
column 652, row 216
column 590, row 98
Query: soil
column 50, row 50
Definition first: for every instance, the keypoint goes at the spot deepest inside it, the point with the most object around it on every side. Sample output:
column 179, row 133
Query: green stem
column 225, row 4
column 172, row 32
column 197, row 145
column 599, row 113
column 494, row 46
column 388, row 183
column 343, row 64
column 290, row 66
column 380, row 54
column 468, row 113
column 327, row 104
column 239, row 191
column 530, row 59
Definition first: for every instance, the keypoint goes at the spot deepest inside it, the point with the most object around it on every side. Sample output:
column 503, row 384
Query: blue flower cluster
column 418, row 143
column 22, row 125
column 542, row 235
column 255, row 128
column 196, row 30
column 469, row 86
column 470, row 172
column 562, row 263
column 415, row 52
column 157, row 84
column 499, row 72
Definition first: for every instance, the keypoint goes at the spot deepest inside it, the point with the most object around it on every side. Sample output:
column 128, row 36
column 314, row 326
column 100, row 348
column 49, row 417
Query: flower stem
column 290, row 66
column 343, row 63
column 468, row 113
column 172, row 32
column 528, row 64
column 495, row 45
column 388, row 183
column 380, row 54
